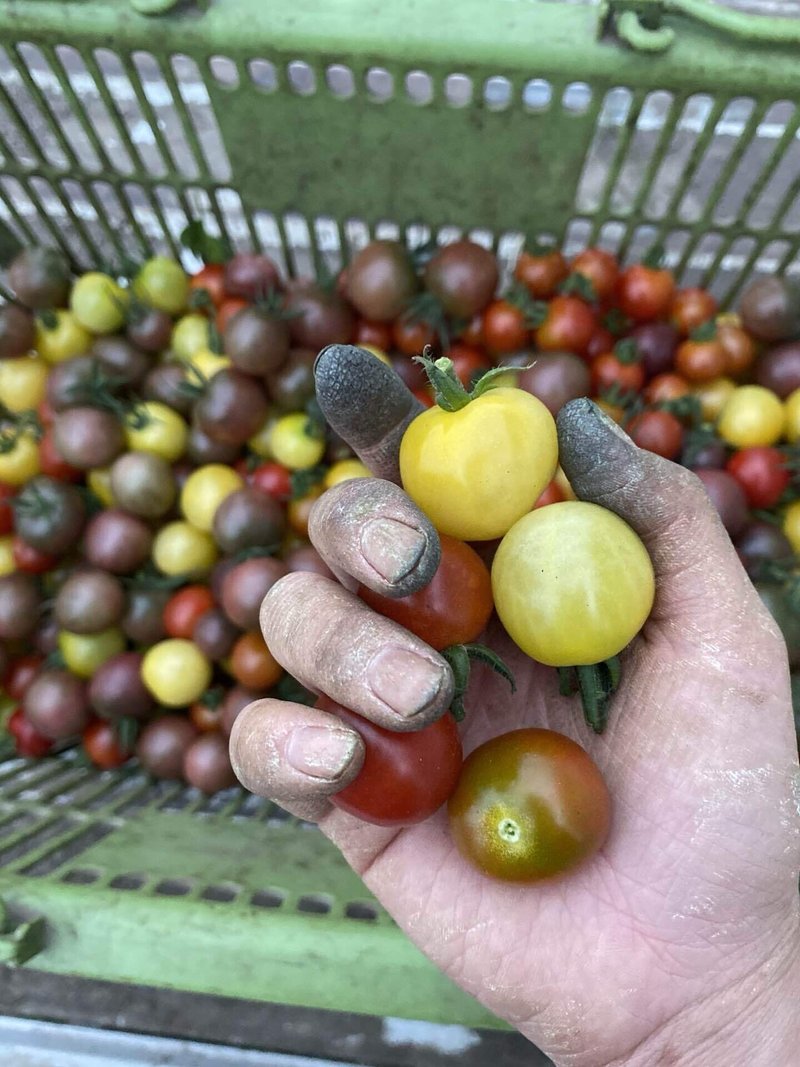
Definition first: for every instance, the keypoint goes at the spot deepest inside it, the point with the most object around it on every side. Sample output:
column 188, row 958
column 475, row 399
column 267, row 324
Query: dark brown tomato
column 740, row 349
column 49, row 515
column 150, row 329
column 248, row 519
column 770, row 309
column 167, row 384
column 463, row 278
column 143, row 484
column 306, row 558
column 215, row 635
column 103, row 745
column 760, row 543
column 56, row 704
column 711, row 456
column 90, row 601
column 45, row 638
column 143, row 622
column 692, row 308
column 250, row 275
column 40, row 278
column 20, row 603
column 116, row 688
column 236, row 700
column 292, row 386
column 88, row 437
column 207, row 765
column 256, row 341
column 121, row 360
column 556, row 378
column 779, row 369
column 201, row 448
column 217, row 577
column 541, row 274
column 17, row 331
column 69, row 384
column 116, row 541
column 656, row 344
column 381, row 281
column 232, row 407
column 163, row 743
column 728, row 498
column 319, row 318
column 246, row 585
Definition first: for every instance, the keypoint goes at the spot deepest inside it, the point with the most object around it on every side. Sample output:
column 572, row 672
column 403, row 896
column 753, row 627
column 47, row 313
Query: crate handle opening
column 639, row 22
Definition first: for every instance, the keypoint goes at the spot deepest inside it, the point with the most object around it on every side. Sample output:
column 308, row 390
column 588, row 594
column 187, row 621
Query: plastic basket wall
column 301, row 128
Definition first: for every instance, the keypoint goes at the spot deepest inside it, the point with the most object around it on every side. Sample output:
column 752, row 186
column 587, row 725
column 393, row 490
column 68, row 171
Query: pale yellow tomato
column 791, row 525
column 792, row 409
column 207, row 363
column 164, row 432
column 23, row 382
column 181, row 549
column 21, row 462
column 293, row 445
column 190, row 334
column 204, row 491
column 64, row 338
column 99, row 303
column 260, row 441
column 85, row 653
column 99, row 481
column 7, row 564
column 176, row 672
column 344, row 471
column 752, row 416
column 713, row 396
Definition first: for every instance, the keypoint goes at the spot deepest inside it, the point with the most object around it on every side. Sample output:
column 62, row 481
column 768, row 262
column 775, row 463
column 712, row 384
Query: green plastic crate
column 302, row 128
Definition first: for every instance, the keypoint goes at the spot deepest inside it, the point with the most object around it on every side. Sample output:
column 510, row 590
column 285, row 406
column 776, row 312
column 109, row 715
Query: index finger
column 366, row 404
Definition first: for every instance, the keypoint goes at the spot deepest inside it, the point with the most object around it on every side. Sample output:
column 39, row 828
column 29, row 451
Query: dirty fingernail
column 407, row 681
column 392, row 548
column 321, row 751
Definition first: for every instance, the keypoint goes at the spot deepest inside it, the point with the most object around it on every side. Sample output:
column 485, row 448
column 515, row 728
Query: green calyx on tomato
column 459, row 657
column 209, row 248
column 627, row 351
column 596, row 684
column 707, row 331
column 17, row 424
column 577, row 284
column 449, row 393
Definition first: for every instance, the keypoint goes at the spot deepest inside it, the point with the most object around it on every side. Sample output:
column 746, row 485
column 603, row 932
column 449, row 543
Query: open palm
column 694, row 895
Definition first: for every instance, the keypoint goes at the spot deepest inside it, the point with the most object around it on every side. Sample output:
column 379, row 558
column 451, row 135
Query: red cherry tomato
column 739, row 347
column 27, row 739
column 101, row 745
column 31, row 559
column 424, row 397
column 665, row 387
column 657, row 431
column 45, row 412
column 602, row 270
column 411, row 336
column 762, row 473
column 206, row 717
column 378, row 334
column 700, row 361
column 211, row 278
column 52, row 463
column 406, row 777
column 568, row 326
column 273, row 479
column 184, row 608
column 691, row 308
column 552, row 494
column 472, row 334
column 468, row 362
column 20, row 675
column 504, row 327
column 609, row 370
column 454, row 606
column 602, row 341
column 228, row 309
column 645, row 293
column 7, row 494
column 541, row 274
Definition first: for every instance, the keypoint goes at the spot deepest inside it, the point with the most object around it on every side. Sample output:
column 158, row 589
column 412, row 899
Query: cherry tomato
column 572, row 584
column 411, row 336
column 227, row 309
column 22, row 382
column 299, row 510
column 30, row 559
column 184, row 608
column 601, row 269
column 529, row 804
column 98, row 303
column 468, row 362
column 27, row 739
column 424, row 396
column 176, row 672
column 752, row 416
column 101, row 744
column 552, row 494
column 252, row 664
column 713, row 396
column 206, row 717
column 475, row 471
column 293, row 444
column 762, row 473
column 504, row 327
column 568, row 326
column 541, row 274
column 84, row 654
column 164, row 432
column 60, row 337
column 344, row 470
column 52, row 463
column 44, row 409
column 665, row 387
column 454, row 606
column 21, row 463
column 162, row 283
column 205, row 490
column 20, row 675
column 691, row 308
column 472, row 334
column 602, row 341
column 645, row 293
column 180, row 549
column 273, row 479
column 739, row 348
column 406, row 777
column 7, row 493
column 378, row 334
column 211, row 279
column 700, row 361
column 610, row 370
column 657, row 431
column 791, row 525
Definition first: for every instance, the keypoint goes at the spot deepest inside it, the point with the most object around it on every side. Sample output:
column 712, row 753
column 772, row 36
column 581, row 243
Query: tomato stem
column 450, row 394
column 596, row 683
column 459, row 657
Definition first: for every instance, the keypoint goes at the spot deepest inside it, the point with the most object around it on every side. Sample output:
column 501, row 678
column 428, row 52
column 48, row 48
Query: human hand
column 678, row 942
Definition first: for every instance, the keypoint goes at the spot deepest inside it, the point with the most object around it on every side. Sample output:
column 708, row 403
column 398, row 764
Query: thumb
column 700, row 580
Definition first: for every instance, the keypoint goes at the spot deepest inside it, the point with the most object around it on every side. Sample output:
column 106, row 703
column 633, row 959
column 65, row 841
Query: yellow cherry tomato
column 162, row 283
column 190, row 334
column 7, row 564
column 176, row 672
column 85, row 653
column 260, row 441
column 292, row 445
column 572, row 584
column 791, row 407
column 752, row 416
column 99, row 481
column 64, row 339
column 98, row 302
column 22, row 382
column 477, row 470
column 164, row 432
column 180, row 549
column 204, row 491
column 21, row 462
column 509, row 380
column 378, row 353
column 344, row 471
column 791, row 525
column 207, row 363
column 298, row 511
column 713, row 396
